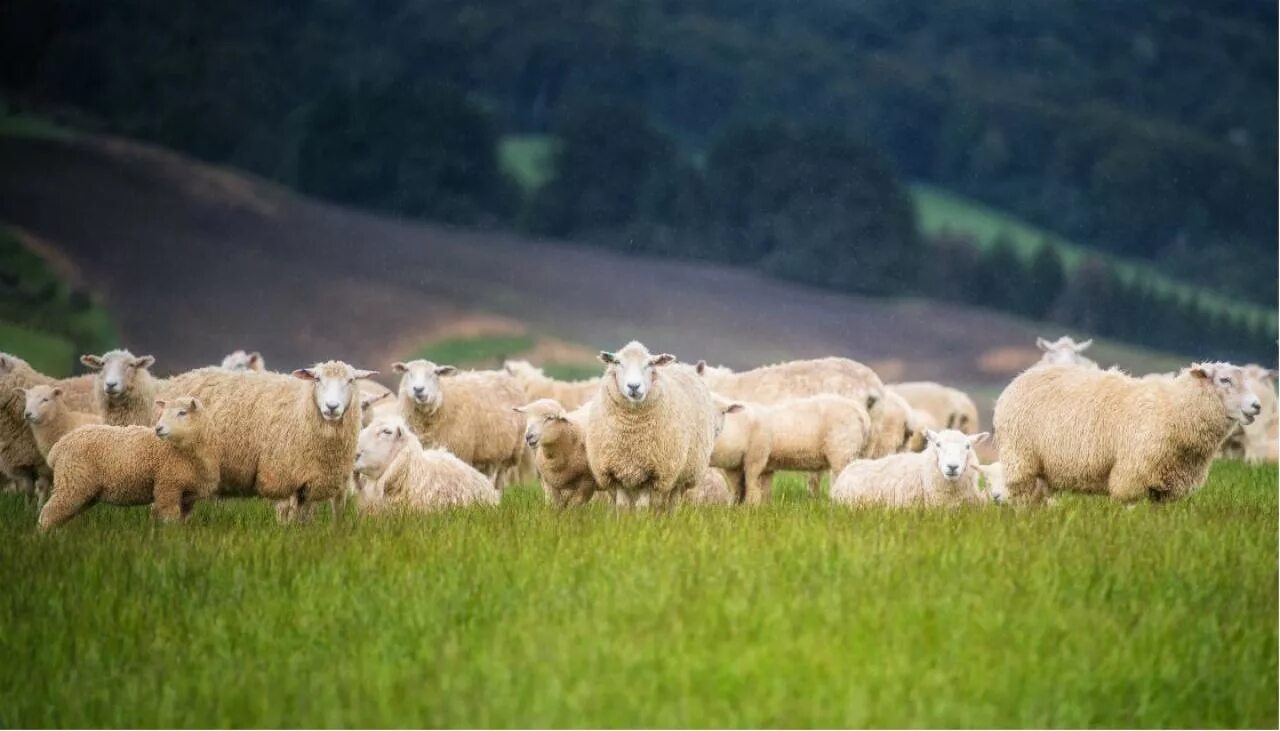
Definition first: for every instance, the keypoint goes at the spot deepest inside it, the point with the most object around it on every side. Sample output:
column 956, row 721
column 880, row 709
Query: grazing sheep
column 168, row 466
column 50, row 419
column 651, row 428
column 894, row 429
column 470, row 414
column 946, row 407
column 946, row 473
column 712, row 489
column 242, row 361
column 1065, row 351
column 558, row 441
column 126, row 389
column 1254, row 443
column 1088, row 430
column 538, row 385
column 402, row 476
column 20, row 459
column 992, row 482
column 287, row 438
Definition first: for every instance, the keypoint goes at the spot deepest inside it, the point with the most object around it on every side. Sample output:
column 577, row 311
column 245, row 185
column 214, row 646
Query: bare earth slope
column 196, row 260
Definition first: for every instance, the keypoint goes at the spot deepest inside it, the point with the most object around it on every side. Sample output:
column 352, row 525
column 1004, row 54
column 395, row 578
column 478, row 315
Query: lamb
column 50, row 419
column 402, row 476
column 168, row 466
column 126, row 390
column 287, row 438
column 242, row 361
column 1254, row 442
column 1065, row 351
column 945, row 474
column 1094, row 431
column 946, row 407
column 712, row 489
column 650, row 429
column 20, row 459
column 558, row 440
column 470, row 414
column 537, row 385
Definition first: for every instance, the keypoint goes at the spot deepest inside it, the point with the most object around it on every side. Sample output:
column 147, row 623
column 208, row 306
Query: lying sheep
column 469, row 414
column 287, row 438
column 242, row 361
column 49, row 418
column 946, row 407
column 712, row 489
column 1088, row 430
column 558, row 441
column 1065, row 351
column 945, row 474
column 538, row 385
column 402, row 476
column 168, row 466
column 1254, row 442
column 20, row 459
column 650, row 429
column 126, row 389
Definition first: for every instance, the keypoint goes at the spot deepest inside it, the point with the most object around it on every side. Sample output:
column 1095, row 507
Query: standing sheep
column 20, row 459
column 400, row 475
column 651, row 428
column 793, row 379
column 558, row 441
column 538, row 385
column 168, row 466
column 1087, row 430
column 1255, row 443
column 470, row 414
column 287, row 438
column 947, row 408
column 946, row 473
column 126, row 389
column 49, row 418
column 242, row 361
column 895, row 428
column 1065, row 351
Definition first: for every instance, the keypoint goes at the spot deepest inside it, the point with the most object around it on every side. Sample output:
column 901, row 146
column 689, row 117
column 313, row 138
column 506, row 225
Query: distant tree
column 1087, row 301
column 1046, row 276
column 1001, row 280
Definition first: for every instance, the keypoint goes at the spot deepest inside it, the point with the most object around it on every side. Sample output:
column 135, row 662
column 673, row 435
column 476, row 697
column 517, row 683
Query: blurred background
column 924, row 185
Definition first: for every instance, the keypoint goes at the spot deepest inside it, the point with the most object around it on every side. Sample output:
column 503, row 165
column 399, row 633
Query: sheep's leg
column 166, row 507
column 1022, row 484
column 815, row 484
column 42, row 486
column 643, row 497
column 187, row 504
column 287, row 509
column 737, row 485
column 64, row 505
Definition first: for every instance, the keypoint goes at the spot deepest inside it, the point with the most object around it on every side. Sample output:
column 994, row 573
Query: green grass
column 529, row 159
column 798, row 614
column 485, row 350
column 46, row 353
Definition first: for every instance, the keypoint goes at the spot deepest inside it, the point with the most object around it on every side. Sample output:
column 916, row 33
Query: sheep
column 537, row 385
column 793, row 379
column 20, row 459
column 242, row 361
column 126, row 389
column 401, row 475
column 945, row 474
column 992, row 482
column 895, row 428
column 1094, row 431
column 650, row 429
column 287, row 438
column 557, row 438
column 712, row 489
column 1065, row 351
column 1254, row 442
column 376, row 400
column 168, row 466
column 470, row 414
column 49, row 417
column 946, row 407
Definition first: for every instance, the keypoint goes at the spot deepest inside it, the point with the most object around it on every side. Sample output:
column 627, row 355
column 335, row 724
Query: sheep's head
column 724, row 407
column 334, row 387
column 710, row 371
column 117, row 370
column 1229, row 384
column 10, row 363
column 420, row 381
column 1065, row 351
column 540, row 418
column 953, row 451
column 634, row 371
column 367, row 402
column 379, row 443
column 42, row 402
column 181, row 419
column 521, row 369
column 242, row 361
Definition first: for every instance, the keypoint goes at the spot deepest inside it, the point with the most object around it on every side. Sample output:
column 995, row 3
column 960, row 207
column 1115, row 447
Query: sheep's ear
column 931, row 436
column 701, row 367
column 144, row 361
column 367, row 401
column 20, row 391
column 1200, row 371
column 399, row 430
column 662, row 359
column 5, row 363
column 734, row 408
column 92, row 361
column 399, row 367
column 1083, row 345
column 872, row 400
column 518, row 409
column 57, row 390
column 506, row 366
column 160, row 403
column 196, row 404
column 445, row 370
column 255, row 359
column 1042, row 344
column 306, row 374
column 361, row 373
column 979, row 438
column 608, row 358
column 1270, row 374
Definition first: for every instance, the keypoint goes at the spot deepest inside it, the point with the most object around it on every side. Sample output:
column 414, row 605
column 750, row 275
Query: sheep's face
column 540, row 420
column 1230, row 385
column 1064, row 351
column 993, row 474
column 181, row 419
column 378, row 445
column 953, row 451
column 117, row 370
column 420, row 381
column 634, row 371
column 42, row 402
column 333, row 387
column 242, row 361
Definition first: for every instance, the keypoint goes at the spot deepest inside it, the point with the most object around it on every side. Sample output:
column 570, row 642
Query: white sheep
column 49, row 417
column 1065, row 351
column 1255, row 443
column 538, row 385
column 650, row 429
column 945, row 407
column 400, row 475
column 126, row 389
column 944, row 474
column 1066, row 428
column 20, row 459
column 241, row 361
column 712, row 489
column 558, row 440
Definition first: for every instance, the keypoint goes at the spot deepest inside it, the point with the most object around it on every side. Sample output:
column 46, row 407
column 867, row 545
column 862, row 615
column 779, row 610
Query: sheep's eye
column 386, row 432
column 182, row 412
column 1225, row 381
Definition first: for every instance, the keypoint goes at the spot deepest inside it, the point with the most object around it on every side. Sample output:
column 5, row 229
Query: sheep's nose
column 112, row 386
column 418, row 390
column 633, row 388
column 1256, row 407
column 953, row 470
column 160, row 431
column 332, row 405
column 29, row 416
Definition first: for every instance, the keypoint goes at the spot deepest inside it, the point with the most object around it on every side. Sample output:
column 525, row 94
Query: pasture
column 794, row 614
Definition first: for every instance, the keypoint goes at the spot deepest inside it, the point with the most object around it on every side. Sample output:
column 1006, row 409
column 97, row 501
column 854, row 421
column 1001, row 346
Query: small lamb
column 401, row 475
column 945, row 474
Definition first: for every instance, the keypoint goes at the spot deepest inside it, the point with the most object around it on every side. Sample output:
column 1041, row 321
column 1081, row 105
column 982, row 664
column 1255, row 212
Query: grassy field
column 796, row 614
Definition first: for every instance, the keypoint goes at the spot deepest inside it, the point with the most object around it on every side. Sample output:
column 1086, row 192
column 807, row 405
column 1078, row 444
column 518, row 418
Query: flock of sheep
column 650, row 431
